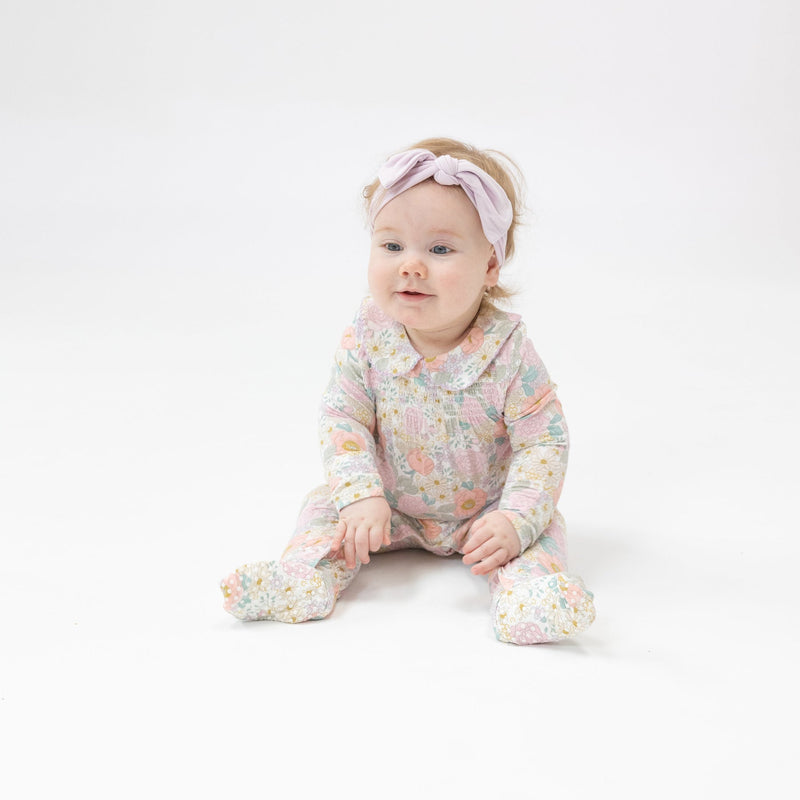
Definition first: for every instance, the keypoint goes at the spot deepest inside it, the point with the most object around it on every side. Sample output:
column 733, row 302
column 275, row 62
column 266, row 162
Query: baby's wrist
column 521, row 528
column 377, row 498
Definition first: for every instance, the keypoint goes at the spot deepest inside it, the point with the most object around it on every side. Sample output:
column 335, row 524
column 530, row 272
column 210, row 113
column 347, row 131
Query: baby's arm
column 347, row 428
column 539, row 441
column 347, row 437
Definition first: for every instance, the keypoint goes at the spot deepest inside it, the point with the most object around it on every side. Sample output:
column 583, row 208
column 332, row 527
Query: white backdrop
column 181, row 243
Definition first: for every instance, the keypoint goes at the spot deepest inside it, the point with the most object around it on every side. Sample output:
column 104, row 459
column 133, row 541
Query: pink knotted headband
column 407, row 169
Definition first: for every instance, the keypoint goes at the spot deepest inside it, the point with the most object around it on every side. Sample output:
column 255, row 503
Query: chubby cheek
column 458, row 288
column 378, row 280
column 373, row 278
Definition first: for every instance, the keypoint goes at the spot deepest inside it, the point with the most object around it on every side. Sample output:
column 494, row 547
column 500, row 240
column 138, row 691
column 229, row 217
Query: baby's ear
column 492, row 269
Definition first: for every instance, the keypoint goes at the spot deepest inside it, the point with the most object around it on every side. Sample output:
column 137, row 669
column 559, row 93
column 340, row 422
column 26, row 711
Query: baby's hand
column 363, row 527
column 492, row 541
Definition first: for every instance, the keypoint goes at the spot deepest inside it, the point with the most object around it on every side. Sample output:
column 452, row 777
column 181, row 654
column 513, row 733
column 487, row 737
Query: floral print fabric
column 444, row 440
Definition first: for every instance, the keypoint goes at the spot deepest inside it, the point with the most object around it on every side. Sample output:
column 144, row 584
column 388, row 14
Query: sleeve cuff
column 349, row 492
column 523, row 528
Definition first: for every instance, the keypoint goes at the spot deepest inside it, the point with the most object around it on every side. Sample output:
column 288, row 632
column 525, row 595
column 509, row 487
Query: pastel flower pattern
column 482, row 420
column 444, row 440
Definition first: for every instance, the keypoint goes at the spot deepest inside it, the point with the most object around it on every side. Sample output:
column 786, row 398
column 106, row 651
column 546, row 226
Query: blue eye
column 392, row 247
column 440, row 249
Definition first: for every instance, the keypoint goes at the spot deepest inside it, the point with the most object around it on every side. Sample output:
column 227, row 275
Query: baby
column 440, row 428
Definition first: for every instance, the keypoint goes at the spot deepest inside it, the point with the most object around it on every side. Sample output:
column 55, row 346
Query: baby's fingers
column 338, row 537
column 477, row 525
column 377, row 537
column 350, row 552
column 477, row 538
column 495, row 560
column 479, row 553
column 362, row 542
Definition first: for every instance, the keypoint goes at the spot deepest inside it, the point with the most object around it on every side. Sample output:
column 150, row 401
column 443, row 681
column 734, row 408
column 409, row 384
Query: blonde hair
column 498, row 165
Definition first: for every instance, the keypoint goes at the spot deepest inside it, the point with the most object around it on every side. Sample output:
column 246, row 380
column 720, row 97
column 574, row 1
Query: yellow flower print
column 348, row 442
column 469, row 502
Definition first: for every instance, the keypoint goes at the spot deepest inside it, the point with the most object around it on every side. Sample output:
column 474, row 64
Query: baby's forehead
column 430, row 206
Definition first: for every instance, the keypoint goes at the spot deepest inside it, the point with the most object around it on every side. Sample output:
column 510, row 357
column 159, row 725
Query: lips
column 410, row 294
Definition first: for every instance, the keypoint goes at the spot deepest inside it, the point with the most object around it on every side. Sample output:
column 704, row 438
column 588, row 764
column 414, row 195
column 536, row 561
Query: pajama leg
column 307, row 580
column 534, row 599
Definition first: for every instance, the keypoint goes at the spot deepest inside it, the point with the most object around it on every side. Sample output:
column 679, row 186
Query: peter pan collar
column 390, row 352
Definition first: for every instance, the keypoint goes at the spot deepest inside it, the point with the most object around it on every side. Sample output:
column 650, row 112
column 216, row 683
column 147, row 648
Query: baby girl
column 440, row 428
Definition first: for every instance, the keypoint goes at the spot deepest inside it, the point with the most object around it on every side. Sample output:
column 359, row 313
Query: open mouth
column 413, row 295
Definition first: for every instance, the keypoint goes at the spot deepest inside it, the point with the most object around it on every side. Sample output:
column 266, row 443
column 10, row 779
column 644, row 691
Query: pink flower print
column 471, row 462
column 436, row 363
column 530, row 426
column 298, row 541
column 469, row 502
column 417, row 369
column 505, row 581
column 549, row 563
column 430, row 529
column 540, row 398
column 348, row 339
column 522, row 500
column 375, row 316
column 573, row 595
column 500, row 430
column 419, row 462
column 297, row 569
column 528, row 633
column 412, row 505
column 473, row 341
column 232, row 590
column 348, row 442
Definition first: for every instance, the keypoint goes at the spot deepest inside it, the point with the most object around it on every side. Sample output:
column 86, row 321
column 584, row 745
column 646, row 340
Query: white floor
column 169, row 303
column 130, row 495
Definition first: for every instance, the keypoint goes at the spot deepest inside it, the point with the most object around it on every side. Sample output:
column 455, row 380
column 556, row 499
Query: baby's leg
column 534, row 599
column 307, row 580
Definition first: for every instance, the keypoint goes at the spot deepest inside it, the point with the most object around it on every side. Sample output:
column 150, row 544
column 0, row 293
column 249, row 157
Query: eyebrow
column 434, row 232
column 446, row 232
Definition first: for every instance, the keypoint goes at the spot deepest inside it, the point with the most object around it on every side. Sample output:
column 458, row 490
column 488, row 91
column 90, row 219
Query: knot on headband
column 447, row 170
column 407, row 169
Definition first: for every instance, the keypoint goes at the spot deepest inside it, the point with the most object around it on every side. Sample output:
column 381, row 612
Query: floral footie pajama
column 533, row 599
column 445, row 440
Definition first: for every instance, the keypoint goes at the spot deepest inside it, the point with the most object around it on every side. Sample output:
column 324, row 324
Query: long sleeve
column 539, row 441
column 347, row 428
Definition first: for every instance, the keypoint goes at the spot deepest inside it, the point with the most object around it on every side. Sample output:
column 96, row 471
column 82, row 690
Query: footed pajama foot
column 274, row 590
column 542, row 609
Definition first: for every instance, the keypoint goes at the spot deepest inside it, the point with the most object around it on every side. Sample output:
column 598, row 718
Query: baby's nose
column 414, row 266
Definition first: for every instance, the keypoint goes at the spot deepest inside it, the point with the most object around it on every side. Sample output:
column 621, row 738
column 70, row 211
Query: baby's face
column 430, row 264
